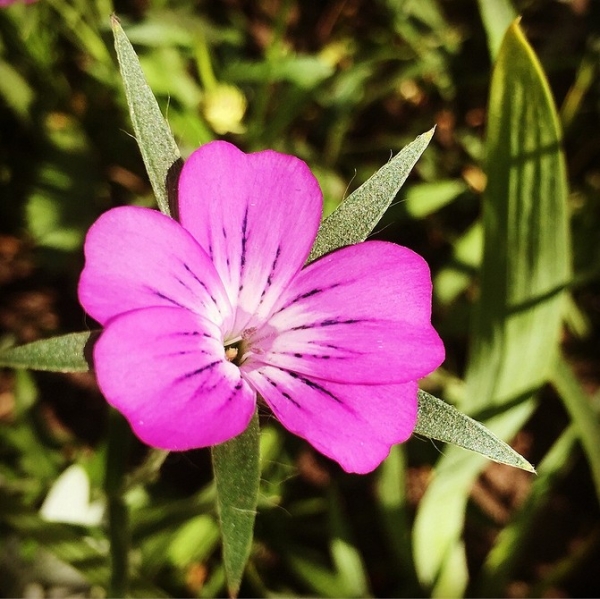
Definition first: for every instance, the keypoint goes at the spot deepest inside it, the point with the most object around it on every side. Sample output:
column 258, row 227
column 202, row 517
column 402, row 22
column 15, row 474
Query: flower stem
column 119, row 440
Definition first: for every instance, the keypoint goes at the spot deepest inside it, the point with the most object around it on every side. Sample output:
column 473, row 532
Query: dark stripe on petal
column 333, row 321
column 327, row 323
column 167, row 298
column 308, row 294
column 311, row 355
column 200, row 370
column 244, row 238
column 236, row 390
column 192, row 334
column 284, row 394
column 315, row 386
column 186, row 352
column 199, row 281
column 244, row 248
column 183, row 283
column 335, row 348
column 271, row 273
column 227, row 261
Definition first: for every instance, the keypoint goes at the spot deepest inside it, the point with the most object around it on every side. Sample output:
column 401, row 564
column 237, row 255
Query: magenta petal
column 136, row 258
column 256, row 215
column 355, row 425
column 359, row 315
column 165, row 370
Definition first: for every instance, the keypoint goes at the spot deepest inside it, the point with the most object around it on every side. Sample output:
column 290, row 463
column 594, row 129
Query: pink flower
column 203, row 314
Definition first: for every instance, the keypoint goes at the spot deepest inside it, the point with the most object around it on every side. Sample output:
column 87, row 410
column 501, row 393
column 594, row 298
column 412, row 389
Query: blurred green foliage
column 341, row 84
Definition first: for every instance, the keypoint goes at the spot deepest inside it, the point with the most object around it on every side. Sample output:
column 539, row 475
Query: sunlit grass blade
column 496, row 15
column 582, row 414
column 236, row 466
column 393, row 507
column 356, row 217
column 346, row 557
column 68, row 543
column 512, row 540
column 81, row 24
column 526, row 264
column 157, row 145
column 62, row 540
column 15, row 90
column 65, row 353
column 439, row 523
column 320, row 579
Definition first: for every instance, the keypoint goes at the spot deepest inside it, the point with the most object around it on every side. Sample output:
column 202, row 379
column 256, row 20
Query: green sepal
column 65, row 353
column 356, row 217
column 438, row 420
column 236, row 467
column 155, row 140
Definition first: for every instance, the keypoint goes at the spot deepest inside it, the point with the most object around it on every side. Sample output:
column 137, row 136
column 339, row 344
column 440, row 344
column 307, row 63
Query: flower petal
column 137, row 257
column 256, row 215
column 355, row 425
column 358, row 315
column 165, row 370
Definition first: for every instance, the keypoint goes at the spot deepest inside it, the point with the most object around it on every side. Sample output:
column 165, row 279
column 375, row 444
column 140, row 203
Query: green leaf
column 15, row 90
column 582, row 414
column 357, row 216
column 82, row 551
column 454, row 279
column 308, row 567
column 304, row 71
column 346, row 557
column 525, row 266
column 441, row 421
column 497, row 15
column 236, row 466
column 392, row 504
column 437, row 531
column 510, row 545
column 526, row 259
column 66, row 353
column 157, row 145
column 423, row 199
column 194, row 541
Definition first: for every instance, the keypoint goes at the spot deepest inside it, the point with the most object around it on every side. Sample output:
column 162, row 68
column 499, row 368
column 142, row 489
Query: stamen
column 234, row 352
column 231, row 353
column 240, row 348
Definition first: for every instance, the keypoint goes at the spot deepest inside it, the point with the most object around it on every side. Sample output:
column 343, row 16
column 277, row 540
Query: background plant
column 339, row 85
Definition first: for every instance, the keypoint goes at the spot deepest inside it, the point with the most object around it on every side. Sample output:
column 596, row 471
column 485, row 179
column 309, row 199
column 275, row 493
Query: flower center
column 234, row 352
column 240, row 348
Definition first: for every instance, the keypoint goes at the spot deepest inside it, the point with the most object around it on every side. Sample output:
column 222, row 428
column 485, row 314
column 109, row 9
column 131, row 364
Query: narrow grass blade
column 157, row 145
column 582, row 414
column 512, row 540
column 392, row 504
column 524, row 270
column 439, row 523
column 497, row 15
column 236, row 466
column 346, row 558
column 66, row 353
column 359, row 213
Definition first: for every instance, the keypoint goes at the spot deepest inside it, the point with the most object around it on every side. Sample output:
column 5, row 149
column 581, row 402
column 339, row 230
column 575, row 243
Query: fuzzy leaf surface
column 157, row 145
